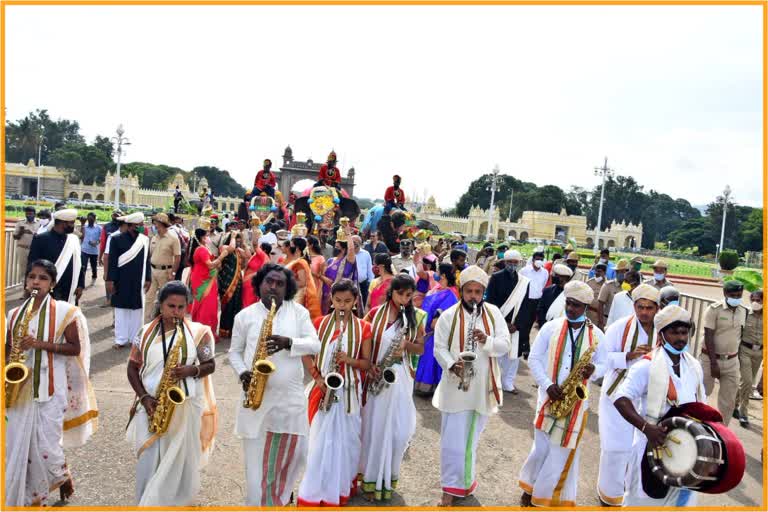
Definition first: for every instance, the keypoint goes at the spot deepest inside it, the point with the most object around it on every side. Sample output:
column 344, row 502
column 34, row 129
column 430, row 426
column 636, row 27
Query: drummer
column 667, row 374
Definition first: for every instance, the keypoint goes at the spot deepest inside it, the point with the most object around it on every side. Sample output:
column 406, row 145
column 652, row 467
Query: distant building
column 22, row 179
column 534, row 225
column 293, row 171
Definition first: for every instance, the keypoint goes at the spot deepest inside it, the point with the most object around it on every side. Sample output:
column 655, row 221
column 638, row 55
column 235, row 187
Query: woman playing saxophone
column 334, row 415
column 52, row 337
column 171, row 353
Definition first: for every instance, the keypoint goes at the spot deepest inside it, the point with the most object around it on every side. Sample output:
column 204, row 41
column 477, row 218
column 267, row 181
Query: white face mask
column 757, row 306
column 599, row 279
column 538, row 263
column 44, row 222
column 603, row 260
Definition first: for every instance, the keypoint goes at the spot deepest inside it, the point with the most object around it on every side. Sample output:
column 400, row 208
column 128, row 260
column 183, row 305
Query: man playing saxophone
column 465, row 409
column 171, row 437
column 276, row 423
column 563, row 357
column 334, row 401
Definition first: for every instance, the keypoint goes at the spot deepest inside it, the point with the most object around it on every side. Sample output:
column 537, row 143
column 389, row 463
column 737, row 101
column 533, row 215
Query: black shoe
column 744, row 422
column 736, row 414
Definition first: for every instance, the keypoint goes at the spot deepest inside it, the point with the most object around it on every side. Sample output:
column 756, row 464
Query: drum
column 696, row 454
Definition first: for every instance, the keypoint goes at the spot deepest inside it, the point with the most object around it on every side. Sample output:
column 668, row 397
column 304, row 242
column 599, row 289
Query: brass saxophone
column 334, row 380
column 169, row 395
column 388, row 376
column 572, row 388
column 16, row 372
column 262, row 367
column 469, row 355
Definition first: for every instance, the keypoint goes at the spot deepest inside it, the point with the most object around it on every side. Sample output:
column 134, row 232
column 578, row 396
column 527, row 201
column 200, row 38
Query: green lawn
column 15, row 208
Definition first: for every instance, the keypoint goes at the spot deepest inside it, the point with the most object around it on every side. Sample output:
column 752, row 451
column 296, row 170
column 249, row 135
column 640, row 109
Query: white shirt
column 269, row 238
column 364, row 266
column 448, row 397
column 284, row 409
column 539, row 357
column 621, row 306
column 538, row 280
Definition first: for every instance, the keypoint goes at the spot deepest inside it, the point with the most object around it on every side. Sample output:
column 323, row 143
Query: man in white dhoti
column 62, row 247
column 550, row 474
column 666, row 376
column 55, row 407
column 128, row 278
column 388, row 414
column 275, row 434
column 509, row 290
column 169, row 463
column 334, row 415
column 626, row 341
column 465, row 412
column 623, row 305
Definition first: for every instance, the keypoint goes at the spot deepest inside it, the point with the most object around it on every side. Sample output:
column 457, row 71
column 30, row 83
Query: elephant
column 345, row 207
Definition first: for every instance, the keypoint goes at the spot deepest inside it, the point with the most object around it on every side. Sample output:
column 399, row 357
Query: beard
column 468, row 305
column 69, row 230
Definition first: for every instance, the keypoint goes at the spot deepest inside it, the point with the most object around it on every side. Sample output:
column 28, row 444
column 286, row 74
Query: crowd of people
column 370, row 318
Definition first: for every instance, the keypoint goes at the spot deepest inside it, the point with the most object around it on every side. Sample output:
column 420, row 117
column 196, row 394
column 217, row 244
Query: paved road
column 104, row 468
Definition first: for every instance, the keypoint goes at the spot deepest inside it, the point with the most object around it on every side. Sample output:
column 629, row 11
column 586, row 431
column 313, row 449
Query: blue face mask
column 673, row 303
column 659, row 277
column 733, row 302
column 577, row 320
column 437, row 276
column 672, row 350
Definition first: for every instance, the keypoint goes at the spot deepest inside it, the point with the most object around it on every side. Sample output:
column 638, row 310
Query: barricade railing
column 696, row 306
column 13, row 277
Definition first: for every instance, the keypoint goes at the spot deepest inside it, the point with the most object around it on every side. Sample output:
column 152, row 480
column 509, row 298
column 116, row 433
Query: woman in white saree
column 56, row 407
column 169, row 464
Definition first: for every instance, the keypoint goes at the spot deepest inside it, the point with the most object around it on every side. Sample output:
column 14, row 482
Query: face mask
column 626, row 287
column 598, row 279
column 659, row 277
column 500, row 255
column 620, row 278
column 511, row 267
column 757, row 306
column 44, row 222
column 336, row 252
column 733, row 302
column 603, row 260
column 672, row 350
column 538, row 263
column 579, row 319
column 637, row 266
column 673, row 303
column 437, row 276
column 573, row 267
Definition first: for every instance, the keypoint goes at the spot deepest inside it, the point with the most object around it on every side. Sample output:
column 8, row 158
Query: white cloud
column 436, row 94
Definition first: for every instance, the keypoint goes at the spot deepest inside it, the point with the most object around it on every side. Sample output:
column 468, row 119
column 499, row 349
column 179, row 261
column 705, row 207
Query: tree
column 220, row 182
column 105, row 145
column 23, row 137
column 82, row 162
column 695, row 232
column 750, row 234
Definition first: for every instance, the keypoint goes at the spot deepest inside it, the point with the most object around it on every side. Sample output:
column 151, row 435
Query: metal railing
column 696, row 306
column 13, row 277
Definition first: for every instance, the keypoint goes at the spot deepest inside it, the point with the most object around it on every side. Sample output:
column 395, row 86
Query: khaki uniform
column 750, row 358
column 659, row 284
column 727, row 324
column 162, row 250
column 213, row 246
column 607, row 292
column 23, row 243
column 592, row 310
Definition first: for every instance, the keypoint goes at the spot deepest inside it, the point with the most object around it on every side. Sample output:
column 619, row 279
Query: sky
column 671, row 95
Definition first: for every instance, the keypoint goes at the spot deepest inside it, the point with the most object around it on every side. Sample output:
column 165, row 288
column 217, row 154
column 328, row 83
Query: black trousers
column 85, row 258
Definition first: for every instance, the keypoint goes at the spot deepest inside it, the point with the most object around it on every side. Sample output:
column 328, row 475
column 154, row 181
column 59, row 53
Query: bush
column 729, row 260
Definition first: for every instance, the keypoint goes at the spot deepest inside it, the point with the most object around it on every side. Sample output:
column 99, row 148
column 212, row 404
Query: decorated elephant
column 323, row 207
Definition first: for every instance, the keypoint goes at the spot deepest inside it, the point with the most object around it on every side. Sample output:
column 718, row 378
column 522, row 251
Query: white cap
column 133, row 218
column 513, row 255
column 67, row 214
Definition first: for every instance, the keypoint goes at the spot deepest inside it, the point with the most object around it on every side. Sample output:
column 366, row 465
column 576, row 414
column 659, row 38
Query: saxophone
column 334, row 380
column 469, row 355
column 169, row 395
column 573, row 388
column 16, row 372
column 388, row 376
column 262, row 368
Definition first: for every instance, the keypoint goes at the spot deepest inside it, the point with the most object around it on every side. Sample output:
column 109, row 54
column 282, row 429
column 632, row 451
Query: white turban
column 562, row 270
column 473, row 273
column 646, row 291
column 513, row 254
column 580, row 291
column 134, row 218
column 68, row 215
column 669, row 315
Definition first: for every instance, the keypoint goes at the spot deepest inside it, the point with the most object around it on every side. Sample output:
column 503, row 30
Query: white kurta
column 388, row 424
column 465, row 413
column 635, row 388
column 280, row 425
column 168, row 467
column 550, row 473
column 38, row 428
column 621, row 306
column 615, row 432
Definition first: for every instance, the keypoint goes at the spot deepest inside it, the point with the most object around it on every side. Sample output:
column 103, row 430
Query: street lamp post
column 726, row 195
column 39, row 161
column 119, row 141
column 604, row 172
column 669, row 245
column 494, row 178
column 511, row 195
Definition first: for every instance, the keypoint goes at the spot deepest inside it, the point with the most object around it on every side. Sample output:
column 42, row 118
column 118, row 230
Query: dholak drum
column 695, row 458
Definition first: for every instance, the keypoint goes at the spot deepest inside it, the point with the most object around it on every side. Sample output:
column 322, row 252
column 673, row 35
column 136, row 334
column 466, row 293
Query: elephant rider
column 394, row 197
column 330, row 176
column 265, row 181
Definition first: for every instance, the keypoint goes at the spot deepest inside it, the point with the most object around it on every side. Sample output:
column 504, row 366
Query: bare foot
column 369, row 496
column 66, row 490
column 446, row 501
column 525, row 500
